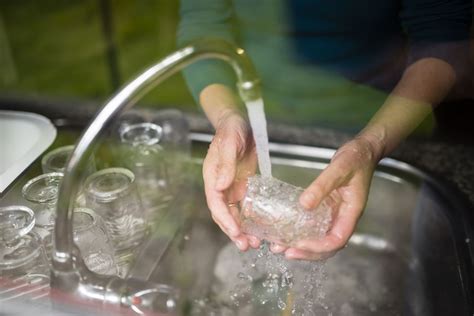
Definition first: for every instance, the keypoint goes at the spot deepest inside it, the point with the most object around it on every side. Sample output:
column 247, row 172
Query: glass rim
column 18, row 262
column 109, row 195
column 31, row 182
column 153, row 126
column 89, row 212
column 24, row 230
column 60, row 150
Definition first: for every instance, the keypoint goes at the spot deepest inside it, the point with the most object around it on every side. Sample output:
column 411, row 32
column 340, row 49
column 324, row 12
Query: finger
column 216, row 199
column 298, row 254
column 254, row 242
column 227, row 161
column 276, row 248
column 330, row 179
column 241, row 242
column 220, row 212
column 339, row 234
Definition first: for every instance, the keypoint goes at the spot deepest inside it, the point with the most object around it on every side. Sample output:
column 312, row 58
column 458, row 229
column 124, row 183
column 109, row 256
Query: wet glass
column 92, row 239
column 113, row 195
column 56, row 160
column 15, row 222
column 175, row 129
column 26, row 258
column 143, row 154
column 176, row 143
column 270, row 210
column 126, row 119
column 42, row 192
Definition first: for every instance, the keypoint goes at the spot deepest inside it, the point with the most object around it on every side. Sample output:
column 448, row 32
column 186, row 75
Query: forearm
column 217, row 101
column 423, row 85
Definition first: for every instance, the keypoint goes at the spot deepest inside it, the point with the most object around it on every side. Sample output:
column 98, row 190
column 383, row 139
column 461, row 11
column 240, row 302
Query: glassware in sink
column 42, row 192
column 143, row 154
column 15, row 222
column 113, row 195
column 92, row 239
column 55, row 161
column 270, row 210
column 25, row 258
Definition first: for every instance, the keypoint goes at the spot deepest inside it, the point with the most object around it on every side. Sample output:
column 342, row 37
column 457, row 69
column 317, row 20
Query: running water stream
column 258, row 123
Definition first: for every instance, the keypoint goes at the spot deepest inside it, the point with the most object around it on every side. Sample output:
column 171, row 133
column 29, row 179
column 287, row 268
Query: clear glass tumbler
column 176, row 143
column 15, row 222
column 26, row 258
column 92, row 239
column 56, row 160
column 270, row 210
column 42, row 192
column 143, row 154
column 175, row 129
column 112, row 194
column 23, row 265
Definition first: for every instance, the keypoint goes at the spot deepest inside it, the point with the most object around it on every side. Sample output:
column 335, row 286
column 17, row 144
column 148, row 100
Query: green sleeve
column 206, row 19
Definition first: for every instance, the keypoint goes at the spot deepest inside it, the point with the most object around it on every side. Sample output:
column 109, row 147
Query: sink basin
column 411, row 253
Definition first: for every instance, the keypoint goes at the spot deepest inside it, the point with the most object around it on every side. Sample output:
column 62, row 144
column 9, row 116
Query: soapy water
column 258, row 123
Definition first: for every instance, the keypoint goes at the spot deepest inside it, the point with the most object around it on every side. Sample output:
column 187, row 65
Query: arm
column 438, row 32
column 204, row 19
column 424, row 84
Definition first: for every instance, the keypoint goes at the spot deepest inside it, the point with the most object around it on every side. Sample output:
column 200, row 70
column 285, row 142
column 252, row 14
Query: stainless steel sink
column 411, row 253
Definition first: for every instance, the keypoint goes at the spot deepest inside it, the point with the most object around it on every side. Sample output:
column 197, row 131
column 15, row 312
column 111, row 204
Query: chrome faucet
column 69, row 273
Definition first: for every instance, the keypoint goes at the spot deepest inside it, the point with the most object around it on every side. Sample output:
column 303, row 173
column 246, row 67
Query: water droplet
column 281, row 304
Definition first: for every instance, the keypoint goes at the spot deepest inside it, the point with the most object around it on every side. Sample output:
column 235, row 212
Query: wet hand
column 230, row 160
column 347, row 178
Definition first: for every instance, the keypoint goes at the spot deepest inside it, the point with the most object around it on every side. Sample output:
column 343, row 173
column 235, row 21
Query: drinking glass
column 175, row 129
column 176, row 144
column 112, row 194
column 26, row 258
column 42, row 192
column 143, row 154
column 56, row 160
column 270, row 210
column 92, row 239
column 15, row 222
column 126, row 119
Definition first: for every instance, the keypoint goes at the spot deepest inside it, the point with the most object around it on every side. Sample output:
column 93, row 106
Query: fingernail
column 239, row 244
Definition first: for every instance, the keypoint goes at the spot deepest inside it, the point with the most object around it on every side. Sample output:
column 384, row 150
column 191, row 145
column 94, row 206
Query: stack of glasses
column 113, row 206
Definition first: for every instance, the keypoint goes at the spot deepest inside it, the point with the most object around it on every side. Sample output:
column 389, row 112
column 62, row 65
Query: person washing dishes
column 375, row 66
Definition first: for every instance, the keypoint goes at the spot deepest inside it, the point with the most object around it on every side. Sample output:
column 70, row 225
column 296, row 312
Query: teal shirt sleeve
column 206, row 19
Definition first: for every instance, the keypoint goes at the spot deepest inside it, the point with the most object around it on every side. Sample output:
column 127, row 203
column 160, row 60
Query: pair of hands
column 231, row 159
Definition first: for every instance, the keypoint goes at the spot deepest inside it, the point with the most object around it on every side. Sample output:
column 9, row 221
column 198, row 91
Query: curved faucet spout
column 65, row 263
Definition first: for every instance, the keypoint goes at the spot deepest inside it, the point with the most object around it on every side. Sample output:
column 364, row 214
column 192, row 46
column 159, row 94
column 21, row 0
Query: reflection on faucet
column 69, row 274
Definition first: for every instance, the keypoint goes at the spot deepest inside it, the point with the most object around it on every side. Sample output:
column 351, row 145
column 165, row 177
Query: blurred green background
column 85, row 50
column 62, row 48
